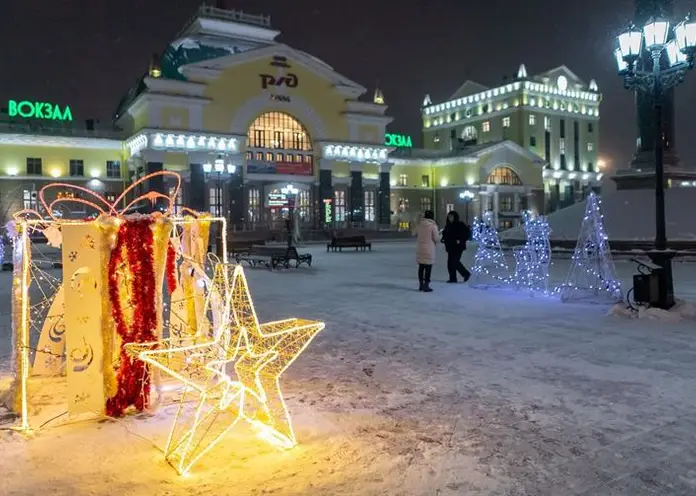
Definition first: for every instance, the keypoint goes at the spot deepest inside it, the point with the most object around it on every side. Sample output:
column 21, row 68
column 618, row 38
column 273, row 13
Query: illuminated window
column 77, row 168
column 532, row 120
column 561, row 146
column 303, row 209
column 436, row 138
column 403, row 204
column 469, row 133
column 504, row 175
column 590, row 147
column 29, row 198
column 506, row 122
column 278, row 130
column 33, row 166
column 340, row 205
column 426, row 203
column 254, row 204
column 425, row 181
column 486, row 126
column 215, row 201
column 403, row 180
column 369, row 206
column 505, row 203
column 113, row 169
column 547, row 124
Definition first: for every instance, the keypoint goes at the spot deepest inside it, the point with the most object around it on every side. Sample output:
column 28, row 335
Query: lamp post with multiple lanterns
column 678, row 45
column 290, row 193
column 467, row 196
column 219, row 168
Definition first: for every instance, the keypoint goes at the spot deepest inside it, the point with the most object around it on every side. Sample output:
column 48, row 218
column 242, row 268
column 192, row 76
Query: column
column 555, row 195
column 383, row 196
column 196, row 194
column 496, row 207
column 357, row 197
column 236, row 201
column 154, row 162
column 326, row 195
column 516, row 202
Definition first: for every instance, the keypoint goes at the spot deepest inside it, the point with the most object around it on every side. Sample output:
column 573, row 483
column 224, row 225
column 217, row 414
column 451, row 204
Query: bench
column 274, row 256
column 237, row 247
column 339, row 242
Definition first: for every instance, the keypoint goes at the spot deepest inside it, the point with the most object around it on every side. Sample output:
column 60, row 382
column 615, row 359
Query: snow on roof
column 629, row 215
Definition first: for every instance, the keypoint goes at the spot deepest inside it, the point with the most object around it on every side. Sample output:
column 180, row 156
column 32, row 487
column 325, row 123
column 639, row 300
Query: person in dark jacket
column 455, row 235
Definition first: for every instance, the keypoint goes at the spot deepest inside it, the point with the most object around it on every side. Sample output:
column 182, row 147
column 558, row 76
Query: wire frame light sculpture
column 490, row 268
column 592, row 275
column 532, row 260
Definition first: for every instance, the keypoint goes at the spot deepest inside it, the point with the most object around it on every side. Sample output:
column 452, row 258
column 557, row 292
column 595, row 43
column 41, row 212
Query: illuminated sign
column 328, row 218
column 267, row 80
column 39, row 110
column 277, row 200
column 398, row 140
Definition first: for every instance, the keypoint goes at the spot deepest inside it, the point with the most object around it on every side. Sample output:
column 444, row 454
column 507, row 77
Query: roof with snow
column 629, row 215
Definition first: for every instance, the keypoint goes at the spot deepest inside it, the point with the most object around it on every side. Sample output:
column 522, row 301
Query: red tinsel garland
column 171, row 268
column 136, row 239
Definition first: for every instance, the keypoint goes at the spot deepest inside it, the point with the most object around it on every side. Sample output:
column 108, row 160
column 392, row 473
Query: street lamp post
column 679, row 45
column 291, row 193
column 467, row 196
column 219, row 168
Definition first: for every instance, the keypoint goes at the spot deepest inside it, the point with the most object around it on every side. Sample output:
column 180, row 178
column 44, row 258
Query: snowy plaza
column 460, row 391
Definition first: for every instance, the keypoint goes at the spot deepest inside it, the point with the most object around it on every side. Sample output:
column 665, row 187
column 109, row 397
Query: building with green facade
column 530, row 143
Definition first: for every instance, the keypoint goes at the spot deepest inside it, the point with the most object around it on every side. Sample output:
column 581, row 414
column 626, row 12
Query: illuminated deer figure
column 533, row 259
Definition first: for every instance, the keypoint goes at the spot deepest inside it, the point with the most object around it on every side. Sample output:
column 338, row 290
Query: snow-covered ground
column 456, row 392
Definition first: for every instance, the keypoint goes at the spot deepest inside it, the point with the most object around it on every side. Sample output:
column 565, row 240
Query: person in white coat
column 426, row 243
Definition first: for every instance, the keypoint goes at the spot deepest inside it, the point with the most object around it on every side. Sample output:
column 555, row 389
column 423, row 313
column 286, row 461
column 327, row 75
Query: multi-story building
column 552, row 117
column 253, row 127
column 50, row 148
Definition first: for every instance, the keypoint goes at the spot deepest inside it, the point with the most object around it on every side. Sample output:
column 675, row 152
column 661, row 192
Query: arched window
column 278, row 131
column 504, row 175
column 469, row 133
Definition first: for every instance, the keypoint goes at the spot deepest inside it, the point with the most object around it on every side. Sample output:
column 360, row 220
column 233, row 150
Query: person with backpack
column 454, row 236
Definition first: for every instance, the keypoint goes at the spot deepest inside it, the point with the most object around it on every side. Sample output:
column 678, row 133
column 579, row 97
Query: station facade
column 258, row 129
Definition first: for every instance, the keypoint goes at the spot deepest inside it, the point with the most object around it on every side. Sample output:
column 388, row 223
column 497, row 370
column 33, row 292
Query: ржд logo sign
column 289, row 80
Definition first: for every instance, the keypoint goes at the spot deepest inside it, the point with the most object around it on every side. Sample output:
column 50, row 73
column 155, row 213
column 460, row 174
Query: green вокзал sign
column 398, row 140
column 38, row 110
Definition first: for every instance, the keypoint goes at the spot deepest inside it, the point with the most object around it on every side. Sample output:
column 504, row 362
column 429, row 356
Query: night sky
column 87, row 53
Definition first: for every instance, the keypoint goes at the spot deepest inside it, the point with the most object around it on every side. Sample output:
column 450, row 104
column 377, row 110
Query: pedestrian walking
column 455, row 235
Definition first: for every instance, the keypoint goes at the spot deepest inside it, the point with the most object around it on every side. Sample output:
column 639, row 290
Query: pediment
column 210, row 69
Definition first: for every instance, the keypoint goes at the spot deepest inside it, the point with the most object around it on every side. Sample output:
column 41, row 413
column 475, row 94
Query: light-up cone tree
column 490, row 268
column 592, row 276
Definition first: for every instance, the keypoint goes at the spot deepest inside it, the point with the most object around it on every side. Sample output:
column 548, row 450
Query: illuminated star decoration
column 259, row 355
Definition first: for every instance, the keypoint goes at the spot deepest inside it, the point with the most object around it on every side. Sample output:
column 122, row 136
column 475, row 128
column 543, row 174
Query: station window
column 77, row 168
column 403, row 180
column 280, row 131
column 113, row 169
column 369, row 206
column 33, row 166
column 486, row 126
column 340, row 205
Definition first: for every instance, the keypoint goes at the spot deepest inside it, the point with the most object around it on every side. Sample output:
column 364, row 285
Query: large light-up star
column 259, row 355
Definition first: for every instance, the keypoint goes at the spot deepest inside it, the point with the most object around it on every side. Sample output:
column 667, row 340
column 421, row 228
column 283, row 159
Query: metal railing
column 210, row 12
column 54, row 130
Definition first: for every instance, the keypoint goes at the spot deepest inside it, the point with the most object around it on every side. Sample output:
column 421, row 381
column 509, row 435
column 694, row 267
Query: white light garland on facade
column 193, row 142
column 356, row 153
column 527, row 88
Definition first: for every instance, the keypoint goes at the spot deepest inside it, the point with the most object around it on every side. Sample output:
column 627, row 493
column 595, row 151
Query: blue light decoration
column 592, row 276
column 533, row 259
column 490, row 268
column 2, row 246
